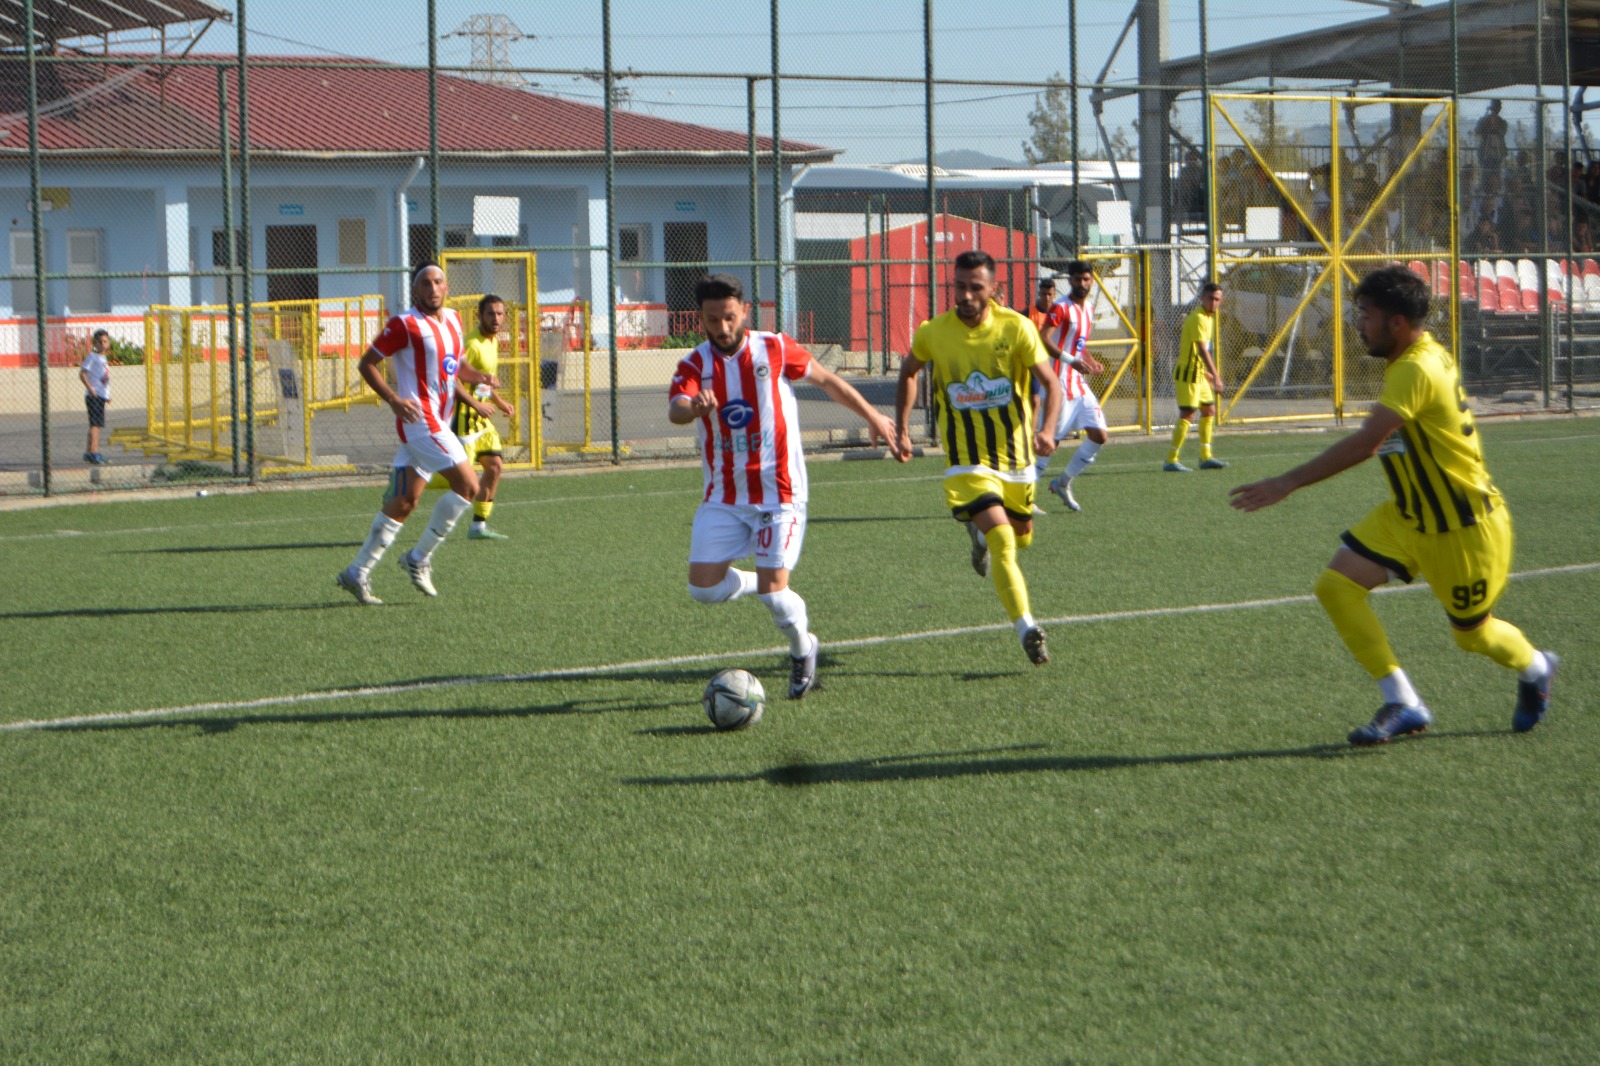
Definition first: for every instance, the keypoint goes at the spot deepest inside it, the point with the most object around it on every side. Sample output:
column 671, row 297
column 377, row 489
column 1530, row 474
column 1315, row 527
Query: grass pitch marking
column 366, row 692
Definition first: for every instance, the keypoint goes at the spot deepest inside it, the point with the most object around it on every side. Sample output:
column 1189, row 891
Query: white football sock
column 1042, row 463
column 789, row 615
column 445, row 514
column 1082, row 458
column 1023, row 624
column 1536, row 669
column 379, row 537
column 1396, row 688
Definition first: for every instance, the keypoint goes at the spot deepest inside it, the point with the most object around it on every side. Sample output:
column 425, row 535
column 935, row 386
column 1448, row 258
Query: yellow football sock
column 480, row 511
column 1024, row 540
column 1500, row 641
column 1207, row 426
column 1006, row 573
column 1179, row 433
column 1352, row 615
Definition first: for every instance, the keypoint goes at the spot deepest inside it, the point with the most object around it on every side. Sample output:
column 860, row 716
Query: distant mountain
column 968, row 159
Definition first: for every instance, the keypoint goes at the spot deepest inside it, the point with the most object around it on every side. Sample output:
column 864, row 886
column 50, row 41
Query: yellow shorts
column 485, row 443
column 965, row 494
column 1194, row 393
column 1466, row 568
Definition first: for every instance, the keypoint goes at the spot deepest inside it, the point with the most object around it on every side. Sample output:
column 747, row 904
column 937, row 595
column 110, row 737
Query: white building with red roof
column 132, row 184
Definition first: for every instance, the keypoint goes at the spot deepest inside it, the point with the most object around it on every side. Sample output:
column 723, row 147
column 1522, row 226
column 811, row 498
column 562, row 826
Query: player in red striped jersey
column 1066, row 337
column 425, row 348
column 737, row 387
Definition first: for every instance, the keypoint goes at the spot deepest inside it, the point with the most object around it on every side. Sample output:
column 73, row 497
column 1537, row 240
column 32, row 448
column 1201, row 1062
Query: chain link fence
column 240, row 252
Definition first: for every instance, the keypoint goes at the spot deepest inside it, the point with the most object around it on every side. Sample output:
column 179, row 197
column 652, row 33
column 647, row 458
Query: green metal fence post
column 39, row 307
column 247, row 276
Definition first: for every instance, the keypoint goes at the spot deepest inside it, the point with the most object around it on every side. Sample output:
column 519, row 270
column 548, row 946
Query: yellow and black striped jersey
column 1199, row 332
column 1434, row 462
column 483, row 355
column 981, row 379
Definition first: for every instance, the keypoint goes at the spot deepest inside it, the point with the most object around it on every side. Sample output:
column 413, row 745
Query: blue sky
column 872, row 122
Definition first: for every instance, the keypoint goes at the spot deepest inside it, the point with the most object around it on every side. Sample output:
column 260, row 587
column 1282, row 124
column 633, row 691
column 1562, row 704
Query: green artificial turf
column 496, row 826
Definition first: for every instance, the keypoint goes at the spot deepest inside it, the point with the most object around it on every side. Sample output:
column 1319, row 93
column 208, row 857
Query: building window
column 352, row 242
column 22, row 263
column 633, row 243
column 83, row 257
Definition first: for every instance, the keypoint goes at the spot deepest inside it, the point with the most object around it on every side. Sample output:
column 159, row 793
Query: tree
column 1051, row 121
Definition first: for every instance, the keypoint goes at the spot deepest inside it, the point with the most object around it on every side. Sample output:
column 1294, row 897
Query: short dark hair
column 1078, row 266
column 1395, row 290
column 1047, row 283
column 1210, row 287
column 718, row 287
column 975, row 259
column 488, row 298
column 97, row 334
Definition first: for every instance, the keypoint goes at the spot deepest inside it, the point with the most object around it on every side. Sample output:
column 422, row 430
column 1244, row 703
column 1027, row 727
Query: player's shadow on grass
column 947, row 764
column 199, row 549
column 813, row 520
column 216, row 608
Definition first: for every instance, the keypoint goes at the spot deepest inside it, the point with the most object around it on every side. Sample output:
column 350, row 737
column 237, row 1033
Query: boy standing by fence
column 95, row 373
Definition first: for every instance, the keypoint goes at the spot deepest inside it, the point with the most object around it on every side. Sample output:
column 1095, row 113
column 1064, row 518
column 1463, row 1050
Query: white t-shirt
column 98, row 372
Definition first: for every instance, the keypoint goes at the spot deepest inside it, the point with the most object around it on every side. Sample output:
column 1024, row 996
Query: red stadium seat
column 1420, row 269
column 1510, row 296
column 1488, row 298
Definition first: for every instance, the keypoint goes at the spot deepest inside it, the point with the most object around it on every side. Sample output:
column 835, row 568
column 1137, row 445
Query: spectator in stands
column 1192, row 187
column 1491, row 133
column 1519, row 232
column 1590, row 190
column 1582, row 236
column 1484, row 240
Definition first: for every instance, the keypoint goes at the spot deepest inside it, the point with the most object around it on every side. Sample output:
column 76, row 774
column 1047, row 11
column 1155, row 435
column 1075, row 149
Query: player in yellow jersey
column 472, row 423
column 1446, row 521
column 1196, row 380
column 982, row 356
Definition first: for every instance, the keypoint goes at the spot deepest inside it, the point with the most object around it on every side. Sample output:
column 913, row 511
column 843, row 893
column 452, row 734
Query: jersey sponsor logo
column 979, row 393
column 450, row 365
column 736, row 414
column 1394, row 445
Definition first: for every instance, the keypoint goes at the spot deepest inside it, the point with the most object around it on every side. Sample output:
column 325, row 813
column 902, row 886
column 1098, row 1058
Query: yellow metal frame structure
column 1135, row 358
column 1337, row 258
column 189, row 413
column 520, row 377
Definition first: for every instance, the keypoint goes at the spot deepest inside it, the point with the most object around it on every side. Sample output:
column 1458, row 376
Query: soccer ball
column 734, row 699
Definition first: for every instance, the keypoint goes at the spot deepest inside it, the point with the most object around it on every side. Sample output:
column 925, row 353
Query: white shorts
column 1082, row 412
column 429, row 452
column 724, row 532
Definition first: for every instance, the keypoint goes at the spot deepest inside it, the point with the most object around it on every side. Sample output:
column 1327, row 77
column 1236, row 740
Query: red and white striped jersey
column 1068, row 329
column 427, row 352
column 750, row 445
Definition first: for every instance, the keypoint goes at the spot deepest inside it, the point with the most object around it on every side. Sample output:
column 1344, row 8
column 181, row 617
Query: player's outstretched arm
column 845, row 395
column 1353, row 450
column 905, row 393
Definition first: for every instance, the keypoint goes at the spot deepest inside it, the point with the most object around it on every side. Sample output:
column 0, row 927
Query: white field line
column 300, row 699
column 553, row 500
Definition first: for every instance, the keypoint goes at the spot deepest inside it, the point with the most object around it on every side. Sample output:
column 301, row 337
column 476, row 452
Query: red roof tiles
column 314, row 106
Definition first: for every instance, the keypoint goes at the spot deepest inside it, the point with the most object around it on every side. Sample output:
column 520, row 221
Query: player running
column 1066, row 338
column 1447, row 520
column 425, row 346
column 478, row 435
column 737, row 387
column 1196, row 380
column 983, row 355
